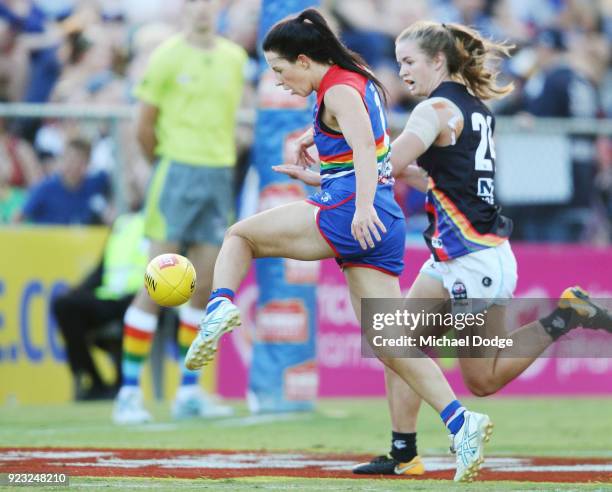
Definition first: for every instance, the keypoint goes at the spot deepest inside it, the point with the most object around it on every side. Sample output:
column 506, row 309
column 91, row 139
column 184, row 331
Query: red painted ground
column 224, row 464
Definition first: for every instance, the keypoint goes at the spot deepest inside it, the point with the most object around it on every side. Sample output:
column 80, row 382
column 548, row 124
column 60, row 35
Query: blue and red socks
column 218, row 296
column 452, row 416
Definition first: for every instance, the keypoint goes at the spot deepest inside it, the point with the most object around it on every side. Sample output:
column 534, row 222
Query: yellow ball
column 170, row 279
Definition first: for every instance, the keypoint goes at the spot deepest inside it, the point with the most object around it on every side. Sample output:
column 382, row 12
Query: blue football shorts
column 336, row 209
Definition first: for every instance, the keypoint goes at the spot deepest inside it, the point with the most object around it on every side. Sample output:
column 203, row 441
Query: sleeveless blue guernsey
column 336, row 200
column 336, row 156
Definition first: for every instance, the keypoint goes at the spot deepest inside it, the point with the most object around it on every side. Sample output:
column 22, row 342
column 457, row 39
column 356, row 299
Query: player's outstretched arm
column 414, row 176
column 296, row 171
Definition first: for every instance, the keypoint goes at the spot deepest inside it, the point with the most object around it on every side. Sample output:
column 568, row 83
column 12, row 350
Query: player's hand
column 366, row 225
column 299, row 172
column 300, row 154
column 414, row 176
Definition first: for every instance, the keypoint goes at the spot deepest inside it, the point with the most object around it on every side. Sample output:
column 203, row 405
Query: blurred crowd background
column 92, row 52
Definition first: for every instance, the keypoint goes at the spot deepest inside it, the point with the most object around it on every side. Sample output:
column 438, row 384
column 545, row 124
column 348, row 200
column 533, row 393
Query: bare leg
column 421, row 373
column 289, row 231
column 404, row 403
column 487, row 375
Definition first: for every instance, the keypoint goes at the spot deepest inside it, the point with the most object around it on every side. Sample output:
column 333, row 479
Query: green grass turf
column 546, row 427
column 309, row 485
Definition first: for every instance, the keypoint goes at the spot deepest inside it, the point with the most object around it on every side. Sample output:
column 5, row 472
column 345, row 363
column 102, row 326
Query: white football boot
column 223, row 319
column 193, row 402
column 468, row 445
column 128, row 408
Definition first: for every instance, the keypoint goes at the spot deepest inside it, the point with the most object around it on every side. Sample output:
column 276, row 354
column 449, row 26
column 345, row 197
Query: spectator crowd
column 93, row 52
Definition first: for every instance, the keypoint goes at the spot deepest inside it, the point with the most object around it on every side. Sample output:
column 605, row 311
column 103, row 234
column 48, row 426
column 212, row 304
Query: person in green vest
column 100, row 299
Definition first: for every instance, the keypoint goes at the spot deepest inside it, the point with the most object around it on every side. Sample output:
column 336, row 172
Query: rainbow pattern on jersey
column 452, row 234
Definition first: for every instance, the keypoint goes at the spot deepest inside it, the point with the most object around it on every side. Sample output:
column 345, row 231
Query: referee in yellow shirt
column 190, row 94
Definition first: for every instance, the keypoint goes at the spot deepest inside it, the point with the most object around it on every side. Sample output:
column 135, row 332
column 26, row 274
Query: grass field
column 541, row 427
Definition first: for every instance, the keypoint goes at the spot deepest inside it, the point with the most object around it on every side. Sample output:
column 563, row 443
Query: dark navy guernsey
column 460, row 203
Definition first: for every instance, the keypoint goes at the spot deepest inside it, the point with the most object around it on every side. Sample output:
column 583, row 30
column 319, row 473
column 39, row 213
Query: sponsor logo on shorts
column 436, row 242
column 458, row 290
column 325, row 197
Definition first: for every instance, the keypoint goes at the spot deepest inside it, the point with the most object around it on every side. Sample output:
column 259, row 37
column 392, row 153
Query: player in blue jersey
column 449, row 134
column 354, row 217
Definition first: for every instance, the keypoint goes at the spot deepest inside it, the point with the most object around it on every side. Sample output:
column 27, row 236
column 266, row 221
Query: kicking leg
column 289, row 231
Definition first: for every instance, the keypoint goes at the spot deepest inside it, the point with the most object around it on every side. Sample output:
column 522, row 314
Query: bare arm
column 414, row 176
column 147, row 120
column 344, row 104
column 433, row 122
column 407, row 147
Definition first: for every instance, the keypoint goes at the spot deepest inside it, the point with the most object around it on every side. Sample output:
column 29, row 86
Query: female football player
column 449, row 134
column 354, row 217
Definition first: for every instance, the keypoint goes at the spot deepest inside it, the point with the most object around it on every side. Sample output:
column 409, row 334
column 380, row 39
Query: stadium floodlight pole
column 283, row 375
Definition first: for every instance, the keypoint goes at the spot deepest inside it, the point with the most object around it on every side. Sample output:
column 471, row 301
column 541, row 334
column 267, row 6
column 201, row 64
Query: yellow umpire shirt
column 198, row 94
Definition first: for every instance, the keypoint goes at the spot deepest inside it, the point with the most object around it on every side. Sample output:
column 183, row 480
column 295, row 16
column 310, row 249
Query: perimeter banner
column 544, row 272
column 283, row 374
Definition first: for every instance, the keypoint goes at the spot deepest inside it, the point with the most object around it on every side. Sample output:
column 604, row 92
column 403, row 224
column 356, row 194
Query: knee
column 240, row 231
column 481, row 384
column 234, row 232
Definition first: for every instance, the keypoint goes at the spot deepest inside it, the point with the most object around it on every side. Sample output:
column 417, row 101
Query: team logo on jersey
column 486, row 281
column 486, row 189
column 458, row 290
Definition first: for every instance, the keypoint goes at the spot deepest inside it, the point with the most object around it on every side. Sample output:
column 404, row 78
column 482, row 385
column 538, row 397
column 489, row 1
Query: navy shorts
column 334, row 218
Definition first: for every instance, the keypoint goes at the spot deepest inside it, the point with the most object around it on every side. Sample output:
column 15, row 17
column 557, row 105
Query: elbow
column 365, row 151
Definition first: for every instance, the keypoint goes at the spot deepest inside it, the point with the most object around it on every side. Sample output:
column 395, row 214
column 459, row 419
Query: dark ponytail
column 309, row 34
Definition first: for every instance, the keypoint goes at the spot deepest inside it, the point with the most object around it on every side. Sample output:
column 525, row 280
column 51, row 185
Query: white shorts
column 489, row 274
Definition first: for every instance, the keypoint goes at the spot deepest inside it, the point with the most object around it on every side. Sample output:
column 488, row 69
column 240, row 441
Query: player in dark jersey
column 353, row 218
column 450, row 134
